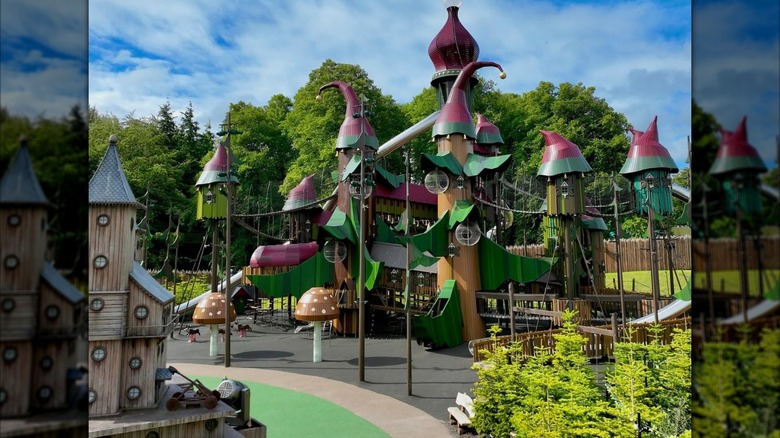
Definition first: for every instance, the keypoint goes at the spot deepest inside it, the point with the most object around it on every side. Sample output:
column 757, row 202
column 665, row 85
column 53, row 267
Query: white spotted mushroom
column 210, row 311
column 316, row 305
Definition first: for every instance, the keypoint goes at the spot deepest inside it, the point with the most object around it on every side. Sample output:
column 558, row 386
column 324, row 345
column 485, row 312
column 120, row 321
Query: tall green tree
column 313, row 126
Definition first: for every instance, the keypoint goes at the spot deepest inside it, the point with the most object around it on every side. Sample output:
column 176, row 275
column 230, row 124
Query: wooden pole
column 228, row 191
column 512, row 310
column 618, row 261
column 407, row 304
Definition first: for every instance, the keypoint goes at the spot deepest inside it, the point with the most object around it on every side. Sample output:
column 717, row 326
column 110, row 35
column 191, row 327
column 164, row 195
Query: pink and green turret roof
column 453, row 47
column 215, row 171
column 647, row 153
column 355, row 121
column 302, row 195
column 735, row 153
column 488, row 136
column 455, row 116
column 561, row 156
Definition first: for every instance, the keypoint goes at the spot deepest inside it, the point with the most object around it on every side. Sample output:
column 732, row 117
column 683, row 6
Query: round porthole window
column 46, row 363
column 52, row 312
column 45, row 393
column 3, row 396
column 135, row 362
column 211, row 424
column 103, row 220
column 97, row 304
column 8, row 305
column 98, row 354
column 152, row 434
column 14, row 220
column 141, row 312
column 91, row 396
column 9, row 354
column 100, row 262
column 133, row 393
column 11, row 262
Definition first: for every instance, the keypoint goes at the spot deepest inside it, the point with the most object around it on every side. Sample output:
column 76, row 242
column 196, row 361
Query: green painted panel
column 476, row 164
column 442, row 325
column 434, row 240
column 461, row 211
column 340, row 227
column 314, row 272
column 498, row 265
column 443, row 160
column 216, row 209
column 389, row 177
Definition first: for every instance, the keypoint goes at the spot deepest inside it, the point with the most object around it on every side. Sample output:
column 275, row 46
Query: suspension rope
column 501, row 207
column 275, row 213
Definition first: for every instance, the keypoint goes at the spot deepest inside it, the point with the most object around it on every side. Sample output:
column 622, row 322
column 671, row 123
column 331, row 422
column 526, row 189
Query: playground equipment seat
column 463, row 413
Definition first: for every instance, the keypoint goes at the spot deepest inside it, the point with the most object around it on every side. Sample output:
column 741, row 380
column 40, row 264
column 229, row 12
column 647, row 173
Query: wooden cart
column 192, row 394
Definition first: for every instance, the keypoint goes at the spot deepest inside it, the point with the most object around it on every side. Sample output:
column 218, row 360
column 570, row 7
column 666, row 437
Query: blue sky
column 736, row 67
column 43, row 56
column 142, row 53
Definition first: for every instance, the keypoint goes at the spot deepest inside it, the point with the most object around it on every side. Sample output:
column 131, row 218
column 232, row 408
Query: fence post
column 615, row 338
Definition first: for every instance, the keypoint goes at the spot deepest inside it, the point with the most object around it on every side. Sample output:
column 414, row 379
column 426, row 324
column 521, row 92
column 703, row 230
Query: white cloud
column 636, row 54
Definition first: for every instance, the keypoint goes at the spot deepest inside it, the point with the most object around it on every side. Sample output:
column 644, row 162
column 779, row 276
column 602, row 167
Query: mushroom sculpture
column 211, row 310
column 317, row 305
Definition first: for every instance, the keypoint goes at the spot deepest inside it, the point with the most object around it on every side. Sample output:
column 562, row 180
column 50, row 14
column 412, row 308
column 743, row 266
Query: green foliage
column 556, row 394
column 634, row 227
column 737, row 387
column 58, row 150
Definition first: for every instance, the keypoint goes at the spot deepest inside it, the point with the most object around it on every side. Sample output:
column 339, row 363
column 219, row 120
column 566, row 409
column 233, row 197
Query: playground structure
column 430, row 251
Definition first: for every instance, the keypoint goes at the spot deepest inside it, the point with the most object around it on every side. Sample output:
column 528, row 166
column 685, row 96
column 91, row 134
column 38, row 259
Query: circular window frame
column 3, row 396
column 135, row 360
column 46, row 363
column 211, row 424
column 103, row 220
column 99, row 358
column 11, row 262
column 91, row 396
column 14, row 220
column 12, row 352
column 52, row 312
column 141, row 308
column 136, row 396
column 97, row 304
column 48, row 397
column 8, row 305
column 96, row 262
column 152, row 434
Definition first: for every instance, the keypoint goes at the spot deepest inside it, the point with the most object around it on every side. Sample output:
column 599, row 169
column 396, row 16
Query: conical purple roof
column 735, row 153
column 215, row 170
column 488, row 134
column 303, row 194
column 351, row 128
column 646, row 152
column 561, row 156
column 455, row 116
column 453, row 47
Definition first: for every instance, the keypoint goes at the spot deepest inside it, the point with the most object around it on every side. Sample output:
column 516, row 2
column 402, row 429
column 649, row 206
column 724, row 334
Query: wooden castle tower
column 129, row 312
column 41, row 313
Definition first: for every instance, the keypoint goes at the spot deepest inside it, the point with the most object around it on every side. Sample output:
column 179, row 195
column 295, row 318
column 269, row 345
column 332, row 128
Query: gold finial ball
column 112, row 139
column 318, row 98
column 502, row 75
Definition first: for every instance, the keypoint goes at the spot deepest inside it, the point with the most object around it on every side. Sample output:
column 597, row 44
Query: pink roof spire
column 351, row 128
column 646, row 152
column 561, row 156
column 455, row 115
column 735, row 153
column 453, row 47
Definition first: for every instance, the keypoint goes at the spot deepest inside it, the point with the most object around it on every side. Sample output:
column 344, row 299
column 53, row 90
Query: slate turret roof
column 19, row 184
column 109, row 185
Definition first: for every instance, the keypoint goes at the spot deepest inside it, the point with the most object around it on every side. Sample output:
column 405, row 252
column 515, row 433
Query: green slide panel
column 442, row 325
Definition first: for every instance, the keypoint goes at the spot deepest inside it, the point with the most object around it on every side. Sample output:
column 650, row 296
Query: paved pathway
column 277, row 356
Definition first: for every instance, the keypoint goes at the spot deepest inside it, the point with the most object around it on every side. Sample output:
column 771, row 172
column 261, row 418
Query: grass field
column 639, row 281
column 289, row 413
column 723, row 281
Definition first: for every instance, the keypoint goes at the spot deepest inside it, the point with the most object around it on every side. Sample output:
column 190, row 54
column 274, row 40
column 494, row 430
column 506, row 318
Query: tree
column 313, row 126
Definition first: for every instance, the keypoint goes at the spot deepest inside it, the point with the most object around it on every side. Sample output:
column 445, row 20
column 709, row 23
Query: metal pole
column 512, row 310
column 569, row 263
column 408, row 290
column 228, row 187
column 362, row 275
column 653, row 257
column 618, row 261
column 743, row 268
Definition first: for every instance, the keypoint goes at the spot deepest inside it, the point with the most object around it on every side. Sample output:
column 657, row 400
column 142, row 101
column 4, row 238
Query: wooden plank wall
column 55, row 377
column 769, row 253
column 19, row 387
column 146, row 349
column 105, row 378
column 20, row 323
column 27, row 241
column 108, row 322
column 116, row 241
column 151, row 325
column 183, row 430
column 64, row 324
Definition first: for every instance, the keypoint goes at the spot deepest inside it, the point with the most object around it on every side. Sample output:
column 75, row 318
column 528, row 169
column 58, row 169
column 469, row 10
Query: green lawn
column 639, row 281
column 289, row 413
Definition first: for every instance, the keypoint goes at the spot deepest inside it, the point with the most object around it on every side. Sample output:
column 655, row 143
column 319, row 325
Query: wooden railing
column 600, row 339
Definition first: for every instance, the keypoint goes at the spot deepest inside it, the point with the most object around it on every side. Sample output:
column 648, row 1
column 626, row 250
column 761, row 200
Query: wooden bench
column 463, row 413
